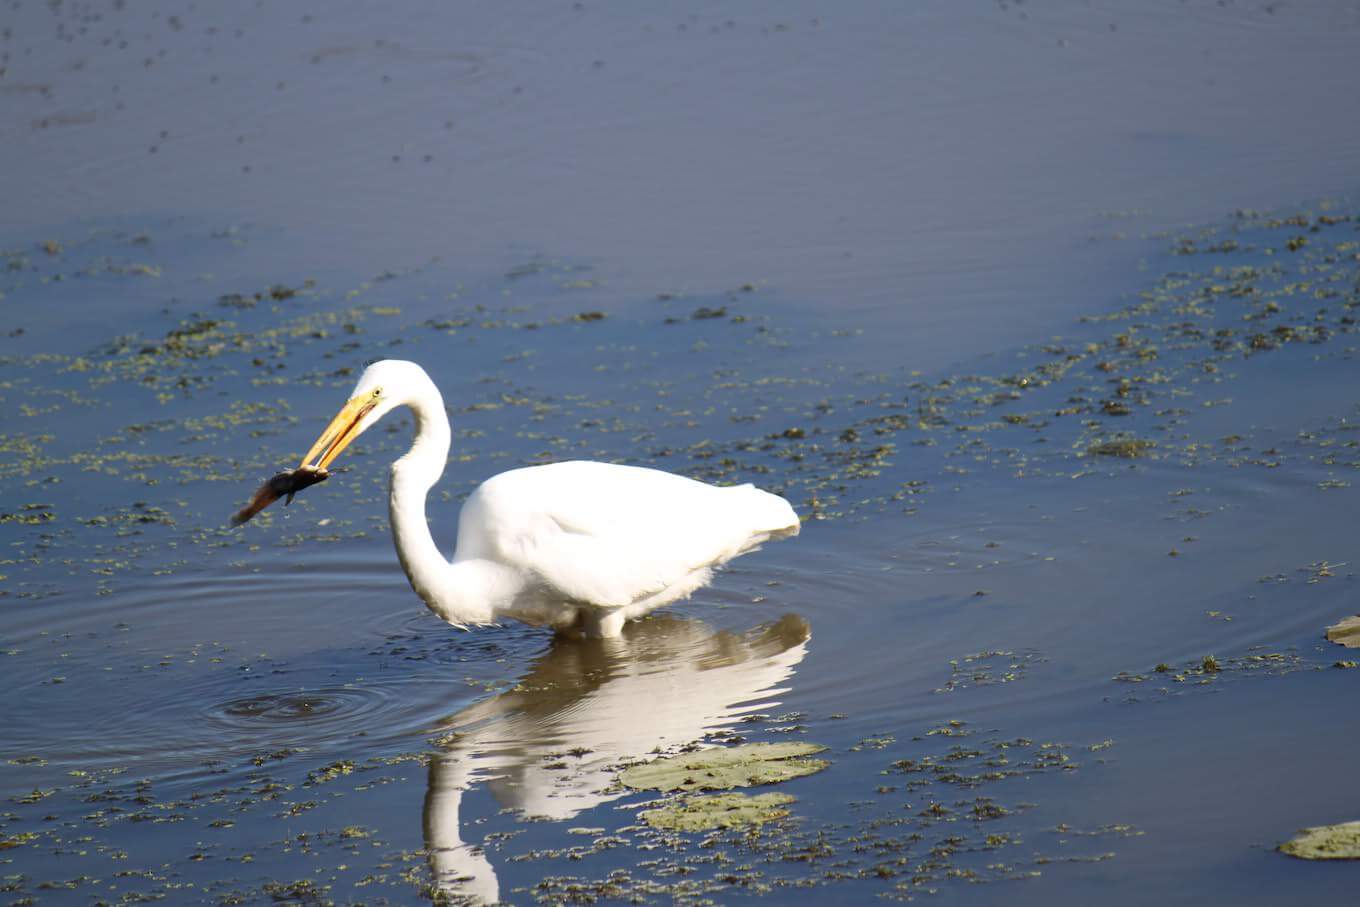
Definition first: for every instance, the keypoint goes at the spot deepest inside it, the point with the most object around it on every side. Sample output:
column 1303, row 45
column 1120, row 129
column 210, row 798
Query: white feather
column 578, row 546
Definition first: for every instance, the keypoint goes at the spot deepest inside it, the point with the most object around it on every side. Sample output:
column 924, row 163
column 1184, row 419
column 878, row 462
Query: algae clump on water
column 1325, row 842
column 704, row 813
column 1345, row 633
column 1128, row 448
column 726, row 768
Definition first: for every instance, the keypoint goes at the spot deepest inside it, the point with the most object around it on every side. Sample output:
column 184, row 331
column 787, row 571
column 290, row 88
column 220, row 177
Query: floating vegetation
column 724, row 768
column 912, row 836
column 127, row 451
column 1325, row 842
column 1128, row 448
column 17, row 840
column 30, row 514
column 829, row 443
column 331, row 772
column 989, row 668
column 971, row 766
column 705, row 813
column 1346, row 632
column 1210, row 668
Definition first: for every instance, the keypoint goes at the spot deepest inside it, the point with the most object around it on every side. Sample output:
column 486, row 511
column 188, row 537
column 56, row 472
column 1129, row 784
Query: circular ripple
column 280, row 708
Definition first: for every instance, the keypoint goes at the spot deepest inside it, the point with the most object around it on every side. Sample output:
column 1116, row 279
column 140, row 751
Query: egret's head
column 382, row 388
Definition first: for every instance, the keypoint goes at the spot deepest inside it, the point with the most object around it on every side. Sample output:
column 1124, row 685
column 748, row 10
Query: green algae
column 302, row 891
column 727, row 768
column 17, row 840
column 30, row 515
column 820, row 463
column 706, row 813
column 1210, row 669
column 1346, row 632
column 1175, row 338
column 1325, row 842
column 1127, row 448
column 330, row 772
column 932, row 828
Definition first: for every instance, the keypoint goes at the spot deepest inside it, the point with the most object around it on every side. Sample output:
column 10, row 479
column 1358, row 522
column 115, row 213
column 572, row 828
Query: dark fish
column 285, row 483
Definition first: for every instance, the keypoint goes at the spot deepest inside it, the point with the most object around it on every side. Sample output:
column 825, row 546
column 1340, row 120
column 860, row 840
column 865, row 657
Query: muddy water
column 1077, row 512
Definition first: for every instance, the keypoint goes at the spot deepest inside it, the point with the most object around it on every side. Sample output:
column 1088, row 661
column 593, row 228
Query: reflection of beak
column 343, row 429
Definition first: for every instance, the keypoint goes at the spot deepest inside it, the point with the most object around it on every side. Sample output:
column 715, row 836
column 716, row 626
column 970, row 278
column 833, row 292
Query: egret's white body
column 576, row 546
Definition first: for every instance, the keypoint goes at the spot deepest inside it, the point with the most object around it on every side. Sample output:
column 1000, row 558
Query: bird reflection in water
column 550, row 747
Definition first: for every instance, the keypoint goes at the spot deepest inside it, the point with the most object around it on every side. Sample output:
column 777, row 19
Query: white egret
column 577, row 546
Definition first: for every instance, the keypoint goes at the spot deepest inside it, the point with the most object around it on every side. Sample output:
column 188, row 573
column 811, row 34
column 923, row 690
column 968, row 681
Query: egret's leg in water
column 600, row 624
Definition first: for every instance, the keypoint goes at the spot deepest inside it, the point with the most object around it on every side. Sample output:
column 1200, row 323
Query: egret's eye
column 377, row 392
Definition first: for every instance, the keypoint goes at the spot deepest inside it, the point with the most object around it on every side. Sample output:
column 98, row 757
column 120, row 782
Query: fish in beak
column 343, row 429
column 285, row 483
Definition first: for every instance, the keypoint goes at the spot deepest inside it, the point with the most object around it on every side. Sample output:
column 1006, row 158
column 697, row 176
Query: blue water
column 909, row 268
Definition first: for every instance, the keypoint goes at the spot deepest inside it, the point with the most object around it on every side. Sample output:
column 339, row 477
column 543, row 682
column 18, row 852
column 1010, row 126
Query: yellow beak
column 343, row 429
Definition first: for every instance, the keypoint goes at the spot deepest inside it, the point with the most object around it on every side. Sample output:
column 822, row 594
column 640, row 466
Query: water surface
column 1043, row 320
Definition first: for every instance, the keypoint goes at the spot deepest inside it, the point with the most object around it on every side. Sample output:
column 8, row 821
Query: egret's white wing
column 611, row 535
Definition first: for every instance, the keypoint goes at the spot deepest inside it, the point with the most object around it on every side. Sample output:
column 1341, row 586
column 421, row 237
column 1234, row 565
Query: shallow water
column 973, row 615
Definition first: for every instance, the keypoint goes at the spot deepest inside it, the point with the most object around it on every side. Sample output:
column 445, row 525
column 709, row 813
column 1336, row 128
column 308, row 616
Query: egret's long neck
column 466, row 593
column 412, row 477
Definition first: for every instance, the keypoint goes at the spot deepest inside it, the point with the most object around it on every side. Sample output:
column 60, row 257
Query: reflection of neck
column 458, row 868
